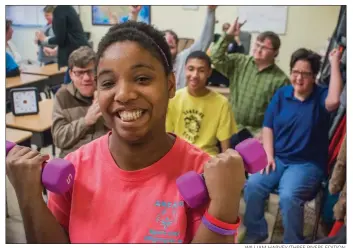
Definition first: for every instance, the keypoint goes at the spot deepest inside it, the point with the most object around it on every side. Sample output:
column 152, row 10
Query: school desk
column 39, row 124
column 52, row 71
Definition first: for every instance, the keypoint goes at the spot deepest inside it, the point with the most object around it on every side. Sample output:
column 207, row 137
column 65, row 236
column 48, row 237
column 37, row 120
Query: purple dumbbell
column 57, row 174
column 192, row 186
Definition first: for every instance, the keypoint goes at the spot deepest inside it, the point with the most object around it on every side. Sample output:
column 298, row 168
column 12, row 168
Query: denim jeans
column 297, row 184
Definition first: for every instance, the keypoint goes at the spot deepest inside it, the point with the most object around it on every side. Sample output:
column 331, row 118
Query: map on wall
column 110, row 15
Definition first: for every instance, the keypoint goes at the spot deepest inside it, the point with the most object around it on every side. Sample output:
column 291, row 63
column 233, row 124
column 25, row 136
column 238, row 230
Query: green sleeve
column 223, row 62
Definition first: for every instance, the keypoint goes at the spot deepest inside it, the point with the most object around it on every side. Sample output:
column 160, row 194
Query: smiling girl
column 125, row 185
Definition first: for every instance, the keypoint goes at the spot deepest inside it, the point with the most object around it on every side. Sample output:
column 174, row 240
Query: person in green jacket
column 253, row 79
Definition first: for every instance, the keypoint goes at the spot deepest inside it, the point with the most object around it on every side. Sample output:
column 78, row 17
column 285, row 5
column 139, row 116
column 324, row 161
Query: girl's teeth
column 130, row 115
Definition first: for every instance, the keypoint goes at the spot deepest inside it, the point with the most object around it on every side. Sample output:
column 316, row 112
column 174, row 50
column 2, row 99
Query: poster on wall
column 110, row 15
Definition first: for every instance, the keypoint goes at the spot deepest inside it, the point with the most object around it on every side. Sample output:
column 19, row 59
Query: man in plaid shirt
column 253, row 79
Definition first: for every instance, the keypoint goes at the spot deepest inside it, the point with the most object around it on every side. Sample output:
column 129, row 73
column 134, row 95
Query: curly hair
column 145, row 35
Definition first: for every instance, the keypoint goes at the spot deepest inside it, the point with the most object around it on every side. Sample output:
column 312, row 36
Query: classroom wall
column 23, row 39
column 307, row 26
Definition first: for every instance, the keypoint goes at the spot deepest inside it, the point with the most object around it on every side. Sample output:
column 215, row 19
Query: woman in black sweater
column 69, row 34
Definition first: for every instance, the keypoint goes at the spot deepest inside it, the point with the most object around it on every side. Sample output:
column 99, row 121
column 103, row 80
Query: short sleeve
column 170, row 125
column 271, row 110
column 60, row 205
column 323, row 92
column 227, row 126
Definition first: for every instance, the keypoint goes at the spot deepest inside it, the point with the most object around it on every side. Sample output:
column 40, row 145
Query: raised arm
column 222, row 61
column 332, row 101
column 206, row 37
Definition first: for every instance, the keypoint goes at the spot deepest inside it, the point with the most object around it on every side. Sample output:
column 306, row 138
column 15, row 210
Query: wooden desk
column 39, row 124
column 34, row 123
column 24, row 80
column 223, row 90
column 17, row 136
column 47, row 70
column 56, row 76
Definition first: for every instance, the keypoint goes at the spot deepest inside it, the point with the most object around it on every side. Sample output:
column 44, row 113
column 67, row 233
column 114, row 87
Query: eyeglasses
column 304, row 74
column 80, row 73
column 260, row 47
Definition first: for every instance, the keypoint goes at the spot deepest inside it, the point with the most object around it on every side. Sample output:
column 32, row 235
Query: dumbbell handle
column 57, row 177
column 192, row 186
column 10, row 145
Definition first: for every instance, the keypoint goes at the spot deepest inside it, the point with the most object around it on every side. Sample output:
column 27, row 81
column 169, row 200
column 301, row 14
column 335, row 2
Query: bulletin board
column 263, row 18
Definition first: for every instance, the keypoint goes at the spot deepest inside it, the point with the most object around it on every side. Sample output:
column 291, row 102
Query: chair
column 318, row 208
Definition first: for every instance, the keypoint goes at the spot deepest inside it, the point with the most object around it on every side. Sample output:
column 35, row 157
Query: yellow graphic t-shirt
column 202, row 121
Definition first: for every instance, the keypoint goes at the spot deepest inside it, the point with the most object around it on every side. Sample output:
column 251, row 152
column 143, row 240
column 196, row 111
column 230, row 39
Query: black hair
column 199, row 55
column 313, row 58
column 172, row 33
column 145, row 35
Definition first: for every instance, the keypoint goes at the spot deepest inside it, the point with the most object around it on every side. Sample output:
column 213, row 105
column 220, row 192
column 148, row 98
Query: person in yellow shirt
column 197, row 114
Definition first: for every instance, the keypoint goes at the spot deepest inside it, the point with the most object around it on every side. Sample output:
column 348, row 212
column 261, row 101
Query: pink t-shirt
column 109, row 205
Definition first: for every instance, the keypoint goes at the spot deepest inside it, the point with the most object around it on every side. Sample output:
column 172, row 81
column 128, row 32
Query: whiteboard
column 28, row 15
column 263, row 18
